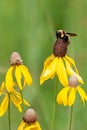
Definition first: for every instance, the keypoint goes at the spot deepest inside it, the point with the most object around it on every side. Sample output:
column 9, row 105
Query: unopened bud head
column 73, row 81
column 30, row 116
column 15, row 59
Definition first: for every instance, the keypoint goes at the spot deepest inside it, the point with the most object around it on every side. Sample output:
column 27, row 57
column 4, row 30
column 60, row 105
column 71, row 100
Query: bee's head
column 62, row 35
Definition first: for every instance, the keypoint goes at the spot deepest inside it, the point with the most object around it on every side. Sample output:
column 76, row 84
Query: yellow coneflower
column 30, row 121
column 67, row 95
column 19, row 71
column 59, row 63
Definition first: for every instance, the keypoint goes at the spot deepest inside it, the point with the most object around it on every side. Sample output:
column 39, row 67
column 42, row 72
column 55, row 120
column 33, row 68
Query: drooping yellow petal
column 4, row 105
column 72, row 62
column 16, row 102
column 61, row 72
column 34, row 126
column 18, row 96
column 38, row 125
column 18, row 76
column 82, row 93
column 17, row 99
column 24, row 83
column 31, row 127
column 9, row 79
column 71, row 97
column 26, row 74
column 49, row 71
column 62, row 96
column 14, row 92
column 71, row 72
column 59, row 98
column 2, row 88
column 48, row 61
column 22, row 125
column 25, row 102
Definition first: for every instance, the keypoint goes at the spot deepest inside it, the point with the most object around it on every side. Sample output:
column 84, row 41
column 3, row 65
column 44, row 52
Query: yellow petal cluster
column 67, row 95
column 13, row 96
column 62, row 66
column 21, row 74
column 26, row 126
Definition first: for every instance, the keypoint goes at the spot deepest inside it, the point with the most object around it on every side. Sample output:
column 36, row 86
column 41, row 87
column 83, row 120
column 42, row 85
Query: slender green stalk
column 21, row 98
column 9, row 115
column 21, row 95
column 54, row 105
column 71, row 113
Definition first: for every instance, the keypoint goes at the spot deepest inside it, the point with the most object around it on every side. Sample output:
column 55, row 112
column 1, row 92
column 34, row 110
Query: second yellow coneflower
column 29, row 121
column 67, row 95
column 18, row 71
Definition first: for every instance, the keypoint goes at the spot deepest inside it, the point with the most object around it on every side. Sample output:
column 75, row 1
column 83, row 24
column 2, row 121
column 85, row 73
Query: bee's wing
column 71, row 34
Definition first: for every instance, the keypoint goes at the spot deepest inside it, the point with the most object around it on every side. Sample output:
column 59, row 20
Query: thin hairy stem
column 54, row 105
column 71, row 114
column 9, row 115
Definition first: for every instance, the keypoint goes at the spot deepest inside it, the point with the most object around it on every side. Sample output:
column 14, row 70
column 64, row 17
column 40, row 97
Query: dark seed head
column 15, row 59
column 73, row 81
column 60, row 48
column 30, row 116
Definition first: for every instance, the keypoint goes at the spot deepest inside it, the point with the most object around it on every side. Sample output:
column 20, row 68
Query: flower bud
column 15, row 59
column 30, row 116
column 73, row 81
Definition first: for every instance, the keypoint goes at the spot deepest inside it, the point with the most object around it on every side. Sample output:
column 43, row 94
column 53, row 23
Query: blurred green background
column 28, row 27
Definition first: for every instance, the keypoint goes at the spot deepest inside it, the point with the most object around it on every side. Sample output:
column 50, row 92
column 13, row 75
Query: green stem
column 53, row 115
column 71, row 113
column 21, row 95
column 54, row 106
column 9, row 116
column 21, row 98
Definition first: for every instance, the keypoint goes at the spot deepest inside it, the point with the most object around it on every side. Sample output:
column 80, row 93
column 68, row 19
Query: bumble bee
column 60, row 46
column 64, row 35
